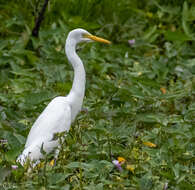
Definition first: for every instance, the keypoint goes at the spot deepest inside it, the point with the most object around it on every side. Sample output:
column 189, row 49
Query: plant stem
column 39, row 19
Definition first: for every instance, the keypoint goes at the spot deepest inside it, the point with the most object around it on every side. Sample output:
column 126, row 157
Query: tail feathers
column 22, row 159
column 30, row 154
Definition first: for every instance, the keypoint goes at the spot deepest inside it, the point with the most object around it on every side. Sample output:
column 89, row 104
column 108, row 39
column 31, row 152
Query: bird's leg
column 35, row 163
column 57, row 151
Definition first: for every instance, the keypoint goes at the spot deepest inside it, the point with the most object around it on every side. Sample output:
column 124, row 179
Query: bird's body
column 61, row 111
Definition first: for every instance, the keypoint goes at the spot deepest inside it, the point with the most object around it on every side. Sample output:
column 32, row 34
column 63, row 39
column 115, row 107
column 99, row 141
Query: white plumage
column 61, row 111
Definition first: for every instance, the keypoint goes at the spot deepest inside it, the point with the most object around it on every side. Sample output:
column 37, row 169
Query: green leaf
column 4, row 172
column 145, row 183
column 176, row 36
column 185, row 15
column 39, row 97
column 149, row 34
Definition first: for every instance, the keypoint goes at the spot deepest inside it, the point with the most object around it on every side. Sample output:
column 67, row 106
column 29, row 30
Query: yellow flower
column 136, row 63
column 121, row 160
column 149, row 14
column 58, row 48
column 52, row 163
column 139, row 73
column 130, row 168
column 163, row 90
column 40, row 165
column 149, row 144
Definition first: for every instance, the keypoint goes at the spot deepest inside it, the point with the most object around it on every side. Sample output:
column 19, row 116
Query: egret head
column 81, row 35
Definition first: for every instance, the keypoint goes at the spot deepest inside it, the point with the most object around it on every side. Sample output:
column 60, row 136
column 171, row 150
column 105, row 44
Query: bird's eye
column 84, row 35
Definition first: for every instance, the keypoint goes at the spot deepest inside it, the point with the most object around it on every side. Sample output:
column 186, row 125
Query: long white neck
column 76, row 94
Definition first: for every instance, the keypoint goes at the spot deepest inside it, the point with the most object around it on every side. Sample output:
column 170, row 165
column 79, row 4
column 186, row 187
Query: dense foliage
column 140, row 93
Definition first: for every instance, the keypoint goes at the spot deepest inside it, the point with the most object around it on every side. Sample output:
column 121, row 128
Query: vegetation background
column 140, row 93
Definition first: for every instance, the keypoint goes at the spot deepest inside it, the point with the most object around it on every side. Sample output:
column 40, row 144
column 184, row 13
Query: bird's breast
column 76, row 101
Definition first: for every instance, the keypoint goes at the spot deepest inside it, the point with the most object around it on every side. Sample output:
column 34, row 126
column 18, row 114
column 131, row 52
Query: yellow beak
column 97, row 39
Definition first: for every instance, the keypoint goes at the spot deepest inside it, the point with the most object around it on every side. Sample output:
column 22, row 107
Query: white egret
column 61, row 111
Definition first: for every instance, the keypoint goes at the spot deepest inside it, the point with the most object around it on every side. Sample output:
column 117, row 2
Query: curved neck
column 78, row 87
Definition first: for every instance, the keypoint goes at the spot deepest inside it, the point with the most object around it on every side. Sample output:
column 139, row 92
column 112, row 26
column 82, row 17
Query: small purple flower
column 131, row 42
column 117, row 164
column 14, row 167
